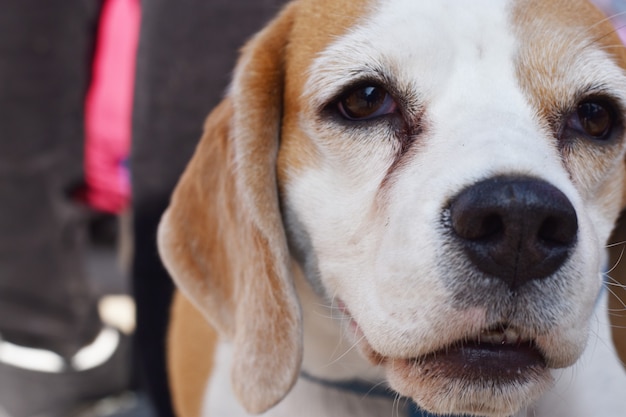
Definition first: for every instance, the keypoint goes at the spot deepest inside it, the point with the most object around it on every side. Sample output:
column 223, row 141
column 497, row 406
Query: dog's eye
column 367, row 102
column 593, row 118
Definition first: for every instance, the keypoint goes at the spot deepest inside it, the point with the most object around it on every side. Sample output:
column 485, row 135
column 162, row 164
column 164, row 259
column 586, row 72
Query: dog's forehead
column 507, row 61
column 347, row 37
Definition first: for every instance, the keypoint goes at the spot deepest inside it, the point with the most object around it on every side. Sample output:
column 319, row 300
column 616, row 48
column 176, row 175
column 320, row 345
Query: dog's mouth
column 490, row 373
column 495, row 374
column 500, row 355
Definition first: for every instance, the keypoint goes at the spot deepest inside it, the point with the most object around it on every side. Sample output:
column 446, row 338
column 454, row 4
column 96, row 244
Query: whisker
column 622, row 242
column 617, row 46
column 614, row 284
column 341, row 328
column 396, row 403
column 612, row 17
column 622, row 302
column 616, row 262
column 373, row 388
column 599, row 340
column 350, row 349
column 333, row 309
column 615, row 30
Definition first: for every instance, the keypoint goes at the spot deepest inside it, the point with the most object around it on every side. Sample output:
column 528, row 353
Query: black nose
column 515, row 229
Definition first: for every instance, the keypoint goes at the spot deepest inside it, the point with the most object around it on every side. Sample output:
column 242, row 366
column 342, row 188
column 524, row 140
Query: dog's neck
column 366, row 389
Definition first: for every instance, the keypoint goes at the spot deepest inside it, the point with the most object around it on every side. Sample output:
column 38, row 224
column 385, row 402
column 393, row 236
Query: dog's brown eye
column 364, row 103
column 594, row 118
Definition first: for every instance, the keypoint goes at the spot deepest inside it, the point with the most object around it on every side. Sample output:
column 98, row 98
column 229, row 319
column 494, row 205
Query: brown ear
column 222, row 237
column 191, row 344
column 617, row 286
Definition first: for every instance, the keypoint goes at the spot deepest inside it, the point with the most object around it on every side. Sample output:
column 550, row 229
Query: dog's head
column 447, row 174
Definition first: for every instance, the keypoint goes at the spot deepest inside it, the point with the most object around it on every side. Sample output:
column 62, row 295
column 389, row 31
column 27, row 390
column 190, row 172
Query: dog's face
column 464, row 171
column 448, row 176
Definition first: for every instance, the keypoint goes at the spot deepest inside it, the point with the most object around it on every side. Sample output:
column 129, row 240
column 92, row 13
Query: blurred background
column 101, row 105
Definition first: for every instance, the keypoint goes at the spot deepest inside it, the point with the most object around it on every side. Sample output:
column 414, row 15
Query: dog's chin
column 472, row 378
column 496, row 374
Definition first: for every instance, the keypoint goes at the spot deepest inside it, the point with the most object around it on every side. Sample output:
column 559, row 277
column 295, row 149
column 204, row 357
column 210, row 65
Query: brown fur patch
column 194, row 236
column 317, row 24
column 192, row 344
column 544, row 63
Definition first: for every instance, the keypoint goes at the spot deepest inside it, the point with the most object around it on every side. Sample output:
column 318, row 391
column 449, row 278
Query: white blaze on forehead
column 421, row 41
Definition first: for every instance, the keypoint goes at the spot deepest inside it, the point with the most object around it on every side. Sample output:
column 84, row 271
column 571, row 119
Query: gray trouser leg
column 45, row 54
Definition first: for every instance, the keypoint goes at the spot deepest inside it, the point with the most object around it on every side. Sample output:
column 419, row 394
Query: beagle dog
column 402, row 207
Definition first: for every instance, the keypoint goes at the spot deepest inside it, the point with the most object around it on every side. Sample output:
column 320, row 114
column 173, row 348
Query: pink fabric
column 109, row 107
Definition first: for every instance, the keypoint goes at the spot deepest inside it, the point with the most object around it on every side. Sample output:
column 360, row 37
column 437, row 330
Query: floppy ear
column 617, row 286
column 222, row 237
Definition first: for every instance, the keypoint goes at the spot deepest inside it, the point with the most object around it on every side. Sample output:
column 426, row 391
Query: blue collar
column 361, row 387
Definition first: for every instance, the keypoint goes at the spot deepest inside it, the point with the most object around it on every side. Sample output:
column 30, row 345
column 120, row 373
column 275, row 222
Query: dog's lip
column 477, row 374
column 499, row 353
column 500, row 356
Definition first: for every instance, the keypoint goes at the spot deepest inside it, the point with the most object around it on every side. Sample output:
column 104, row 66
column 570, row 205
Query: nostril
column 475, row 222
column 515, row 229
column 491, row 227
column 557, row 231
column 549, row 230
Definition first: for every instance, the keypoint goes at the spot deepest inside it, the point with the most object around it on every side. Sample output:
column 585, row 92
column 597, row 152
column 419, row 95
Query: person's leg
column 48, row 311
column 45, row 50
column 187, row 51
